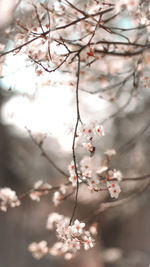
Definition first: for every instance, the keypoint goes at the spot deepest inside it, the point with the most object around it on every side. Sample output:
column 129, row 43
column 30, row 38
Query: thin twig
column 107, row 205
column 44, row 154
column 49, row 37
column 74, row 137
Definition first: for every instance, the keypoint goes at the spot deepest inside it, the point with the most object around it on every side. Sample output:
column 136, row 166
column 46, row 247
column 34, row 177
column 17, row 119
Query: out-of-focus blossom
column 57, row 198
column 8, row 197
column 38, row 250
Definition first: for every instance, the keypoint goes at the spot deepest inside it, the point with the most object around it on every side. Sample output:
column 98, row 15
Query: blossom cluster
column 72, row 238
column 100, row 179
column 8, row 197
column 40, row 188
column 87, row 133
column 97, row 180
column 38, row 249
column 86, row 173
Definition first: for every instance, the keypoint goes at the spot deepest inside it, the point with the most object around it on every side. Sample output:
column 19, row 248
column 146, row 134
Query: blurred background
column 46, row 105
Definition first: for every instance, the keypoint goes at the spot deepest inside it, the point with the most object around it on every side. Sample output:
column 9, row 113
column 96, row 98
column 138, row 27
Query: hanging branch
column 74, row 137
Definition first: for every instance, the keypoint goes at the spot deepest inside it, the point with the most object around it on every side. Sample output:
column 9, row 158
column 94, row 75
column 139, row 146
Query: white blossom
column 86, row 167
column 73, row 245
column 57, row 249
column 68, row 256
column 117, row 174
column 43, row 190
column 73, row 180
column 91, row 129
column 100, row 130
column 87, row 174
column 114, row 189
column 53, row 219
column 102, row 169
column 85, row 164
column 93, row 183
column 63, row 229
column 88, row 241
column 72, row 238
column 93, row 229
column 88, row 146
column 77, row 228
column 38, row 250
column 71, row 167
column 8, row 197
column 57, row 198
column 41, row 185
column 35, row 196
column 63, row 189
column 87, row 130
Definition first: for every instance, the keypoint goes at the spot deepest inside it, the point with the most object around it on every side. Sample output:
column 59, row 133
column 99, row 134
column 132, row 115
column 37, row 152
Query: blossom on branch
column 40, row 188
column 53, row 219
column 77, row 228
column 57, row 198
column 71, row 238
column 114, row 189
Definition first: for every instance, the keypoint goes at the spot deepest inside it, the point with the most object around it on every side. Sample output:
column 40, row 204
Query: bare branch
column 44, row 154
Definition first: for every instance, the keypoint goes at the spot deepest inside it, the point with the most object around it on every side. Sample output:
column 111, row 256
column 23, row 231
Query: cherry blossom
column 77, row 228
column 73, row 245
column 63, row 189
column 40, row 188
column 71, row 237
column 53, row 219
column 73, row 180
column 88, row 146
column 82, row 43
column 87, row 174
column 35, row 196
column 58, row 249
column 71, row 167
column 93, row 228
column 63, row 229
column 94, row 183
column 8, row 197
column 114, row 189
column 100, row 130
column 89, row 130
column 57, row 198
column 38, row 250
column 115, row 174
column 85, row 164
column 88, row 241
